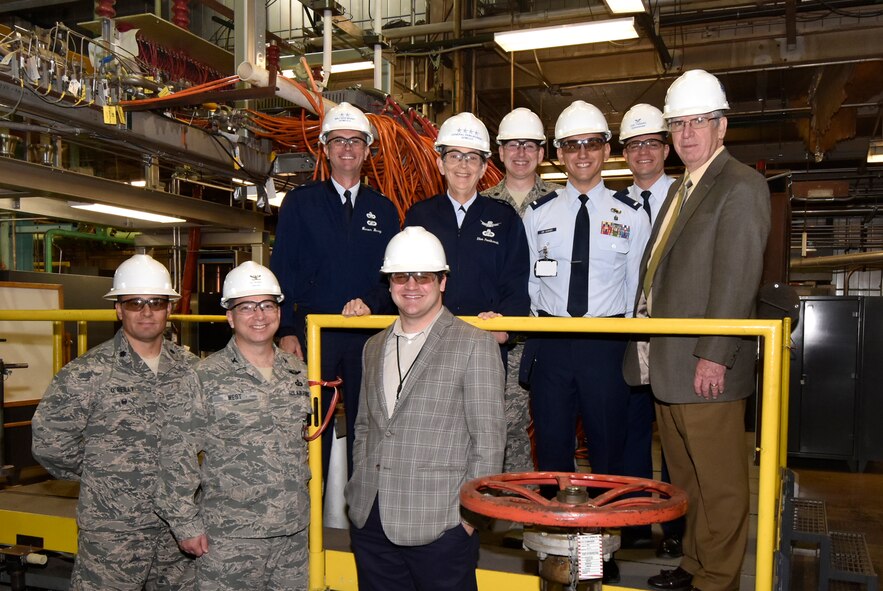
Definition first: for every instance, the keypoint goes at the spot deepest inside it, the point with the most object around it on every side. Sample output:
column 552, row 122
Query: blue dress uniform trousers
column 322, row 261
column 579, row 375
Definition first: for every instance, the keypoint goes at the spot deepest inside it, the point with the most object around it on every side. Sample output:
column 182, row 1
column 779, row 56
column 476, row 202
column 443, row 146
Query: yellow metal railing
column 774, row 395
column 773, row 424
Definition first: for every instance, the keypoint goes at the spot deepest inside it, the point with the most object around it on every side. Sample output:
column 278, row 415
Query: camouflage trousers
column 279, row 563
column 131, row 561
column 518, row 453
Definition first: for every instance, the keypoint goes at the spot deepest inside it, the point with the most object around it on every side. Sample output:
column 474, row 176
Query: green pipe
column 100, row 236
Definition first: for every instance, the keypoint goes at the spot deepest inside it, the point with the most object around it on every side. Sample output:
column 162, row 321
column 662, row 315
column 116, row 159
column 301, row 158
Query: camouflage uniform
column 98, row 423
column 518, row 452
column 254, row 505
column 540, row 189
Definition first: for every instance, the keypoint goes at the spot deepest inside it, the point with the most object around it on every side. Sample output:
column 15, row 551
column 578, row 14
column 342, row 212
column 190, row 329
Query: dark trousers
column 637, row 456
column 341, row 356
column 447, row 564
column 579, row 376
column 638, row 459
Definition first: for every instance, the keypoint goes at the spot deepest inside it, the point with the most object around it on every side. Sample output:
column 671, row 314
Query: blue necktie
column 348, row 205
column 578, row 290
column 645, row 195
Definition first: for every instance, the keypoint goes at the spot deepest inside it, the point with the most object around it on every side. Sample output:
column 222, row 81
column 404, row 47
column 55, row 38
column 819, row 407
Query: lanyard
column 402, row 378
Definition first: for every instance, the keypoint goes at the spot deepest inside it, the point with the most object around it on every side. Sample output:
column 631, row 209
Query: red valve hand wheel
column 506, row 496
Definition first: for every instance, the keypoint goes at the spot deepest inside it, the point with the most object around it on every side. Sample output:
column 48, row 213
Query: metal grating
column 849, row 554
column 809, row 516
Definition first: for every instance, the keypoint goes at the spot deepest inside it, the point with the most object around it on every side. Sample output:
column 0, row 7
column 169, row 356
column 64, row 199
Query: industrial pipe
column 285, row 88
column 378, row 49
column 51, row 235
column 327, row 47
column 837, row 260
column 499, row 22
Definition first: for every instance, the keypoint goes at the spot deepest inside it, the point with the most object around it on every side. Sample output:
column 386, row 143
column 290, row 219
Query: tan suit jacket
column 448, row 427
column 710, row 268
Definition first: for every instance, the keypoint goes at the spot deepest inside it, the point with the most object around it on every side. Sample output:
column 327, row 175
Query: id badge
column 545, row 268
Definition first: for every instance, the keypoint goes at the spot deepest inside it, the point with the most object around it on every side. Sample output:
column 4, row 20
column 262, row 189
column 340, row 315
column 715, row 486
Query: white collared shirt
column 354, row 191
column 399, row 355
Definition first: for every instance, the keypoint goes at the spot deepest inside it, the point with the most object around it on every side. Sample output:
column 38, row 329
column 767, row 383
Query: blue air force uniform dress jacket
column 321, row 262
column 487, row 255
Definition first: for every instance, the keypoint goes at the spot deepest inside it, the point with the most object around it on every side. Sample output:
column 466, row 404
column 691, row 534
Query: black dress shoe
column 670, row 548
column 611, row 572
column 673, row 580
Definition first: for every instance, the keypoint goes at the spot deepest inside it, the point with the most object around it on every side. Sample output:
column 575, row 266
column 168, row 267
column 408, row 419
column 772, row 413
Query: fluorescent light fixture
column 576, row 34
column 875, row 152
column 554, row 176
column 275, row 201
column 624, row 6
column 127, row 213
column 351, row 67
column 141, row 183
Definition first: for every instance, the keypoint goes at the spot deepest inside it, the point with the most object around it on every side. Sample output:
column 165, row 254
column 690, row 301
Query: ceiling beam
column 15, row 5
column 627, row 65
column 66, row 185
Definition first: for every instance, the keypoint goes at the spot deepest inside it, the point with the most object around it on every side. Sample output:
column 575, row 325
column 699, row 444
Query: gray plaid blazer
column 448, row 427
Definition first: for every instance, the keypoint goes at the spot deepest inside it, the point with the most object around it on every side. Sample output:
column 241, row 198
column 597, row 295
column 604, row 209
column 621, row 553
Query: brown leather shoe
column 672, row 580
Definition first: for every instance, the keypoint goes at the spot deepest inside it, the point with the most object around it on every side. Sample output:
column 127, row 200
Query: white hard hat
column 579, row 118
column 346, row 116
column 463, row 130
column 641, row 120
column 249, row 279
column 693, row 93
column 521, row 124
column 141, row 275
column 413, row 250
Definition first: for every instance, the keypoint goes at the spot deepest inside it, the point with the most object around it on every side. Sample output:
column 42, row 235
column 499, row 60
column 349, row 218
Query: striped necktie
column 659, row 247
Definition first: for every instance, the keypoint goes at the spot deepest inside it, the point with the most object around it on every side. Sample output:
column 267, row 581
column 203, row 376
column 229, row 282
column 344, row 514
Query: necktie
column 645, row 195
column 461, row 215
column 656, row 254
column 348, row 205
column 578, row 290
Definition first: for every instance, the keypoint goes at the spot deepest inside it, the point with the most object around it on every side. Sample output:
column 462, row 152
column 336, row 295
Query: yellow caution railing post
column 774, row 404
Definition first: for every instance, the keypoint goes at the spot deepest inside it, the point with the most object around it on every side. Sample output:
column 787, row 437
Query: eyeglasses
column 346, row 142
column 472, row 159
column 249, row 308
column 636, row 146
column 529, row 146
column 137, row 304
column 678, row 125
column 591, row 144
column 421, row 277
